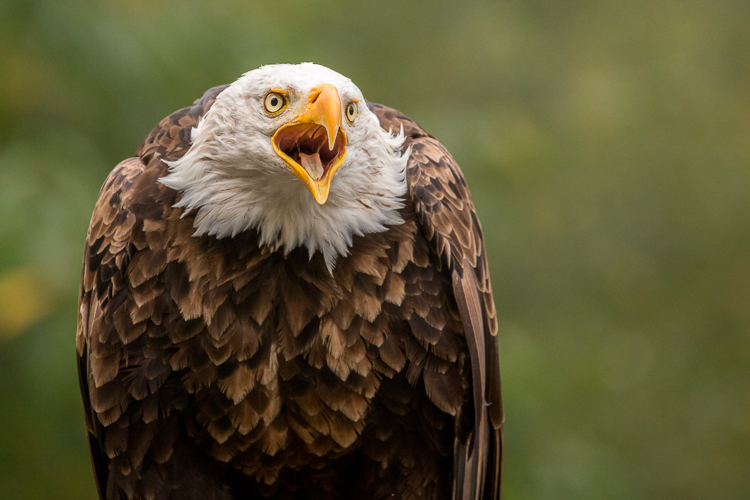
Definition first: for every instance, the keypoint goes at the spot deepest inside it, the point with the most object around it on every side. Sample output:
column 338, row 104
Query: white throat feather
column 234, row 180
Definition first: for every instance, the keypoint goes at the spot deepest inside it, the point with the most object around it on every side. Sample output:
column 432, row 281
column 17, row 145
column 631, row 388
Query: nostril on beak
column 314, row 96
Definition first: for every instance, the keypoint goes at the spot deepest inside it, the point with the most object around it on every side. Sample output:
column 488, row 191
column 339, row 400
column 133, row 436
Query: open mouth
column 306, row 145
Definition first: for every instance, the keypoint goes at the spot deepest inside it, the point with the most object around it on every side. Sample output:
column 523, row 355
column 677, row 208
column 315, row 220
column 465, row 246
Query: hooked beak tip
column 332, row 134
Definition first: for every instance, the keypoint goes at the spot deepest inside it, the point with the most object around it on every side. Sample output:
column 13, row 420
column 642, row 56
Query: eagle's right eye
column 274, row 102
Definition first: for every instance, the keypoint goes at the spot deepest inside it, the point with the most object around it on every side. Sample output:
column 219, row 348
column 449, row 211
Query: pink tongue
column 312, row 164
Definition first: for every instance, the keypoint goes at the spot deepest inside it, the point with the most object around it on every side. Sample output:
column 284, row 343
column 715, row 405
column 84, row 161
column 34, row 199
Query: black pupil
column 351, row 109
column 274, row 101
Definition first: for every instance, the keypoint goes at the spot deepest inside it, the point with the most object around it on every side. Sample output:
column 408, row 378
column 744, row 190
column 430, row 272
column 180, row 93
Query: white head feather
column 235, row 180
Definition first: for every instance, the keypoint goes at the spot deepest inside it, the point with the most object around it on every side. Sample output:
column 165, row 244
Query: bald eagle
column 285, row 295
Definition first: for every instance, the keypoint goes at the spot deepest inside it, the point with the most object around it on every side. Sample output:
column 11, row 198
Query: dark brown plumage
column 219, row 369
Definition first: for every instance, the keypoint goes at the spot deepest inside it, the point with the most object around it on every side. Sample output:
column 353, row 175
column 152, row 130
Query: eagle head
column 294, row 152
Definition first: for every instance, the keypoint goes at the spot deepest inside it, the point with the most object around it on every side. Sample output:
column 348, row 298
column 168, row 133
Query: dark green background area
column 607, row 146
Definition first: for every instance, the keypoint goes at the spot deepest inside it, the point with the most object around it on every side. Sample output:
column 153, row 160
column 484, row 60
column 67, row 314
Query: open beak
column 313, row 144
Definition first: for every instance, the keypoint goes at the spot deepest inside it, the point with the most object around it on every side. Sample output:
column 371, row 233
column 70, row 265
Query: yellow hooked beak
column 314, row 144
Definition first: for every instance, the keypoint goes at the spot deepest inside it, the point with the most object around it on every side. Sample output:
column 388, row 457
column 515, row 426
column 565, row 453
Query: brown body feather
column 219, row 369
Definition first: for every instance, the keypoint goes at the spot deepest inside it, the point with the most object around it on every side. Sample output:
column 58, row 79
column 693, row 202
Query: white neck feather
column 231, row 177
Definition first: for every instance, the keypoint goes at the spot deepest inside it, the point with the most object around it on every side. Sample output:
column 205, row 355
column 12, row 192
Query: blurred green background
column 607, row 145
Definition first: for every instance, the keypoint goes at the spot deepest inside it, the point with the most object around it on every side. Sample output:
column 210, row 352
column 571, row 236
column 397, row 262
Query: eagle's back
column 218, row 367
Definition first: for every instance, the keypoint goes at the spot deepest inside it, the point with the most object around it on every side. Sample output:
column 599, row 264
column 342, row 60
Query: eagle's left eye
column 351, row 111
column 274, row 102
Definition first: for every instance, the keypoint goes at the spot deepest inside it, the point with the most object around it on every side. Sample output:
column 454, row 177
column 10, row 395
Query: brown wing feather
column 108, row 344
column 441, row 200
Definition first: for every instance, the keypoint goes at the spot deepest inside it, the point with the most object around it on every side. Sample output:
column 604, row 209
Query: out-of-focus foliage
column 607, row 144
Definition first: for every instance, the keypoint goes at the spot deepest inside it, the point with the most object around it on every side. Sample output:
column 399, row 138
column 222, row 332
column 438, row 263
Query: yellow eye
column 351, row 111
column 274, row 102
